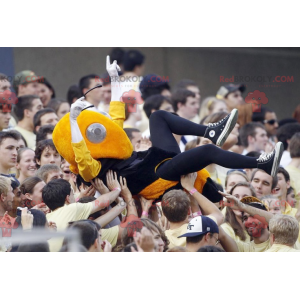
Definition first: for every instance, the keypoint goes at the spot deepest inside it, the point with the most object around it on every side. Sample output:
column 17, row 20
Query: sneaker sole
column 278, row 154
column 228, row 128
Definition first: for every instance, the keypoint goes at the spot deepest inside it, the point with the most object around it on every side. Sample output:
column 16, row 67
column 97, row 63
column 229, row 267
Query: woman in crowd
column 46, row 153
column 26, row 166
column 31, row 190
column 233, row 223
column 46, row 92
column 233, row 177
column 211, row 105
column 60, row 106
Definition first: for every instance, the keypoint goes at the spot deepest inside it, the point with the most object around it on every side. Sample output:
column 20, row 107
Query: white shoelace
column 264, row 157
column 217, row 123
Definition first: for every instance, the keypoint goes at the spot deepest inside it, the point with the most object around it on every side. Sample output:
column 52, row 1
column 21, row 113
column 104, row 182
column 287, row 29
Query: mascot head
column 103, row 137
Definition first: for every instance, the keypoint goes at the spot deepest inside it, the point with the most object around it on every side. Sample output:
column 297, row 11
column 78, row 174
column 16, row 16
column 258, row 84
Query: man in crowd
column 284, row 232
column 5, row 115
column 87, row 82
column 186, row 105
column 49, row 172
column 25, row 110
column 46, row 116
column 190, row 85
column 8, row 151
column 267, row 117
column 232, row 95
column 263, row 183
column 253, row 137
column 134, row 135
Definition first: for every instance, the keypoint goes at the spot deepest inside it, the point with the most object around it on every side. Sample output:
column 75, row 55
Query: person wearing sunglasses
column 268, row 117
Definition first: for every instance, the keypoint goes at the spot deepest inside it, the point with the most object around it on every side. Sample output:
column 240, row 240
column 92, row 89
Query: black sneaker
column 219, row 131
column 270, row 162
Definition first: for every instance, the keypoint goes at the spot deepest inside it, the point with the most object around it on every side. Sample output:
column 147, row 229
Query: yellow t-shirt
column 173, row 234
column 252, row 247
column 229, row 230
column 289, row 210
column 295, row 181
column 29, row 136
column 63, row 215
column 281, row 248
column 111, row 235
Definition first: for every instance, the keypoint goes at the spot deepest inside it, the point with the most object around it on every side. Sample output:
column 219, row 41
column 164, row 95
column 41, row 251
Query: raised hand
column 100, row 186
column 26, row 219
column 86, row 191
column 112, row 181
column 144, row 145
column 232, row 201
column 125, row 192
column 188, row 181
column 76, row 108
column 144, row 240
column 112, row 69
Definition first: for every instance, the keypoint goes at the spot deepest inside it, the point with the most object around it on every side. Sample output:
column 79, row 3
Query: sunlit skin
column 159, row 243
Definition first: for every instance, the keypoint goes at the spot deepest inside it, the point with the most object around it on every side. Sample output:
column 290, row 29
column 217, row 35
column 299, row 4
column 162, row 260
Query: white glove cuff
column 75, row 132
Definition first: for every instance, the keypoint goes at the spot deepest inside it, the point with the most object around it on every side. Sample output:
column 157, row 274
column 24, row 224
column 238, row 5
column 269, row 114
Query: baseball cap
column 24, row 77
column 227, row 89
column 199, row 226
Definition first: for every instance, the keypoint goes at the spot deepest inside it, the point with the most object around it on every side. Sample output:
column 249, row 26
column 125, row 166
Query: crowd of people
column 257, row 206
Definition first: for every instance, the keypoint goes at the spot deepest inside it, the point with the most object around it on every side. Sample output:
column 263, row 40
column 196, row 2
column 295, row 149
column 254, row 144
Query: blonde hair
column 207, row 106
column 285, row 229
column 4, row 185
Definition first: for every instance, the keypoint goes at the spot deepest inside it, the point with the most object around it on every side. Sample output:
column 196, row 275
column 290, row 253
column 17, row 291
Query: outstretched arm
column 116, row 107
column 88, row 167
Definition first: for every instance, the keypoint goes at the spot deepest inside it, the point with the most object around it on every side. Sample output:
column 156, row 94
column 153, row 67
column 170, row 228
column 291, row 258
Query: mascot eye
column 96, row 133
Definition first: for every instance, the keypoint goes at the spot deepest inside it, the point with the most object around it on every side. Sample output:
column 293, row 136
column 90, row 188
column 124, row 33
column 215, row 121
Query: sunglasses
column 233, row 170
column 270, row 122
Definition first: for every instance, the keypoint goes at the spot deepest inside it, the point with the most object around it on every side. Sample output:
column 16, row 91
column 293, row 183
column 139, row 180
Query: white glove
column 77, row 107
column 116, row 85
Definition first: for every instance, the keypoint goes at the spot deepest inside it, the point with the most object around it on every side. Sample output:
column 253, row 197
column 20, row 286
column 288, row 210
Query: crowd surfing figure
column 137, row 190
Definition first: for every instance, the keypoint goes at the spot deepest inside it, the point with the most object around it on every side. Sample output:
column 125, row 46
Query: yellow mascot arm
column 88, row 167
column 117, row 112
